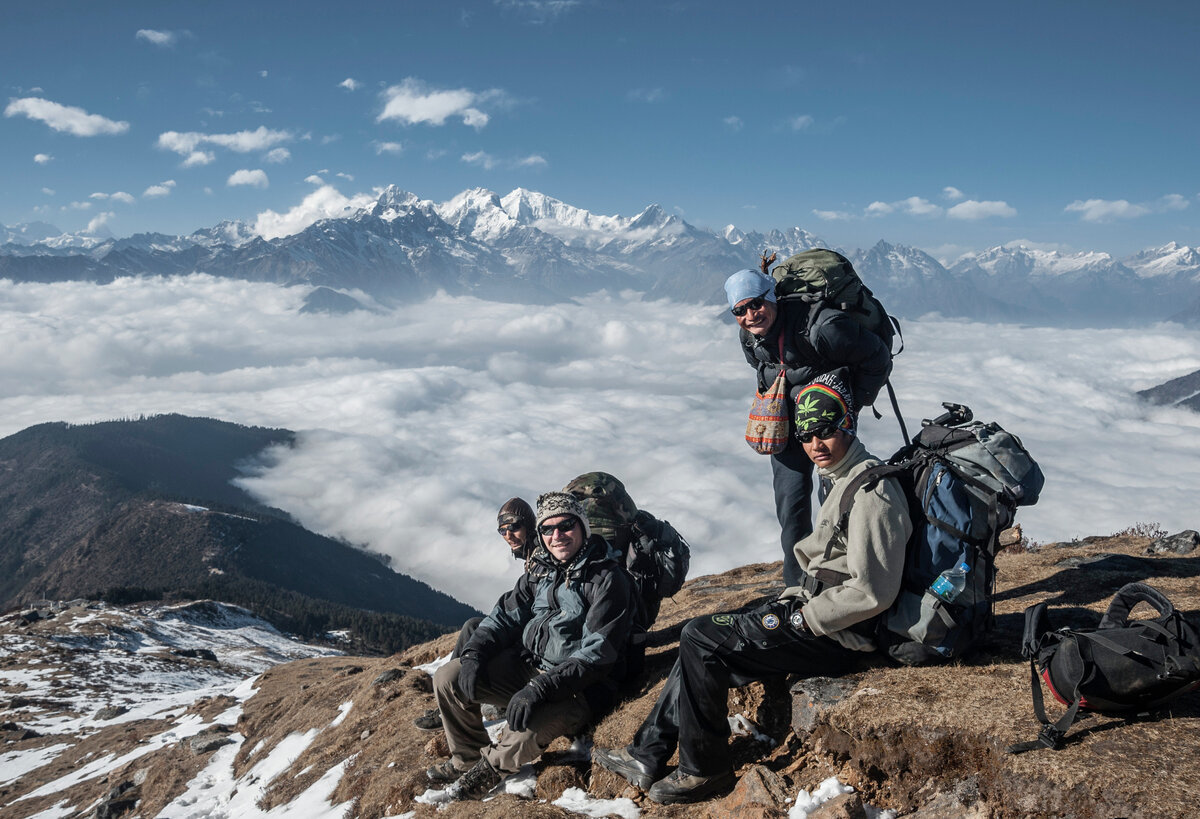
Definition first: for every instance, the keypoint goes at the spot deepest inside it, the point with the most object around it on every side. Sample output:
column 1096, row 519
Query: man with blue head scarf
column 805, row 340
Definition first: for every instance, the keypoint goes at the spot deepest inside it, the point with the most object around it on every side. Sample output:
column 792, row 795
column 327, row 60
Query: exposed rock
column 812, row 698
column 110, row 712
column 846, row 806
column 1181, row 544
column 1011, row 537
column 388, row 676
column 759, row 792
column 209, row 740
column 195, row 653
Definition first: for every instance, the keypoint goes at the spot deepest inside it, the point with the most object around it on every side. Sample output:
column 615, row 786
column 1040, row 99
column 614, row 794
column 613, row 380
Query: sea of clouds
column 417, row 421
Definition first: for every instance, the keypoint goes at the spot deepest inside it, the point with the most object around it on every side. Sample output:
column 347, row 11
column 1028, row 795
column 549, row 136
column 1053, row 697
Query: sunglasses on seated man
column 824, row 432
column 755, row 304
column 564, row 526
column 512, row 527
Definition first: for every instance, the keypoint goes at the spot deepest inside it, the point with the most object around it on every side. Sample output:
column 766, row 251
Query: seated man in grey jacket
column 816, row 627
column 552, row 650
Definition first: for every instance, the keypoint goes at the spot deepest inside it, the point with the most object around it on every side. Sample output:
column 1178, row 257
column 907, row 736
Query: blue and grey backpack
column 963, row 482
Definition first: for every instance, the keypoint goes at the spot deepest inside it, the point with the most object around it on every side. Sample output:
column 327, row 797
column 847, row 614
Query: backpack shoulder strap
column 1129, row 596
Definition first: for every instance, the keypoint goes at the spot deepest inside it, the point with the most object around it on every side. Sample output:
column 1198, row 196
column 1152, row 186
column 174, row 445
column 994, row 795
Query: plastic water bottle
column 950, row 583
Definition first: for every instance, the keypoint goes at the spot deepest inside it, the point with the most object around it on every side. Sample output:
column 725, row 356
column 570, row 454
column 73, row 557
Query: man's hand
column 468, row 676
column 521, row 706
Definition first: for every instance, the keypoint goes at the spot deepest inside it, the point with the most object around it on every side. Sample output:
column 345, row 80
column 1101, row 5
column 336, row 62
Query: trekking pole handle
column 954, row 415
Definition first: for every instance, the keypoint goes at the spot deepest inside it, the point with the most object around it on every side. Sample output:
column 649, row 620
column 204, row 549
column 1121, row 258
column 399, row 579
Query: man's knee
column 444, row 678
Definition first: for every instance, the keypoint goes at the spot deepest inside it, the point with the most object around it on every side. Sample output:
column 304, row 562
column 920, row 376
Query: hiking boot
column 684, row 787
column 477, row 782
column 431, row 720
column 620, row 761
column 444, row 772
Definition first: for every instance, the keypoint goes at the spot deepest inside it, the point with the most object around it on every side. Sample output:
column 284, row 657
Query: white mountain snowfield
column 84, row 658
column 394, row 243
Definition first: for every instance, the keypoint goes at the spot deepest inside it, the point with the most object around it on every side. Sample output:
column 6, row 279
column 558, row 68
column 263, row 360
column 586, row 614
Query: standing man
column 848, row 576
column 791, row 336
column 552, row 651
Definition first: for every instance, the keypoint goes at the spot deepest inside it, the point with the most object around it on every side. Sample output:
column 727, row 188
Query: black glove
column 468, row 676
column 521, row 706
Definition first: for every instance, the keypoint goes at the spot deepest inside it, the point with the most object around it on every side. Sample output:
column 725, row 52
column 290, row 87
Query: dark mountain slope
column 146, row 508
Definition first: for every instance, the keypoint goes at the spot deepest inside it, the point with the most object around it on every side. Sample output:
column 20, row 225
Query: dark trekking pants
column 792, row 477
column 718, row 652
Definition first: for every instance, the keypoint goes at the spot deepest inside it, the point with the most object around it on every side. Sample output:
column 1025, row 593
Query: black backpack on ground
column 1122, row 666
column 963, row 482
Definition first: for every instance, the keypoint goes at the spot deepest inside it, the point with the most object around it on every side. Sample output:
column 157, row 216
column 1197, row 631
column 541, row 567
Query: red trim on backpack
column 1083, row 703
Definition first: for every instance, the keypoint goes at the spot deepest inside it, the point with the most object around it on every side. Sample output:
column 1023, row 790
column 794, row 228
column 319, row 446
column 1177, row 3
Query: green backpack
column 825, row 277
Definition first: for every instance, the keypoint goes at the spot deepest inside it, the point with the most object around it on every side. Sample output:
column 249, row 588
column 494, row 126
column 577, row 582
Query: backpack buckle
column 1051, row 737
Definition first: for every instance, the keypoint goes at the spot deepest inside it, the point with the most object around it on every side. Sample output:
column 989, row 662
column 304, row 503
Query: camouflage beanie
column 826, row 400
column 556, row 504
column 608, row 506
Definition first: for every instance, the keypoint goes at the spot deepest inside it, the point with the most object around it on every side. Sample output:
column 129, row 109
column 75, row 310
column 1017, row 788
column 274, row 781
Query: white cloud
column 488, row 162
column 48, row 191
column 350, row 84
column 952, row 193
column 1110, row 210
column 42, row 159
column 346, row 176
column 733, row 123
column 833, row 215
column 163, row 39
column 879, row 209
column 538, row 12
column 1104, row 210
column 916, row 206
column 278, row 155
column 388, row 148
column 481, row 158
column 547, row 392
column 256, row 178
column 187, row 144
column 647, row 95
column 324, row 203
column 78, row 206
column 65, row 118
column 122, row 196
column 412, row 103
column 263, row 73
column 1173, row 201
column 163, row 189
column 972, row 210
column 314, row 179
column 801, row 123
column 100, row 220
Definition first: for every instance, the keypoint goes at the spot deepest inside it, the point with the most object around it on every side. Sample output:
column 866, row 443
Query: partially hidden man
column 819, row 626
column 552, row 651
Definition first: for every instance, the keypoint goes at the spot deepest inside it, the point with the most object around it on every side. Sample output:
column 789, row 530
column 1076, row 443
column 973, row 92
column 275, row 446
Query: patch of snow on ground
column 577, row 801
column 18, row 763
column 343, row 710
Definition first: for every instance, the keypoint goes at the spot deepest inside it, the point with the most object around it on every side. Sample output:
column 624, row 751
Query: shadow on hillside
column 1095, row 579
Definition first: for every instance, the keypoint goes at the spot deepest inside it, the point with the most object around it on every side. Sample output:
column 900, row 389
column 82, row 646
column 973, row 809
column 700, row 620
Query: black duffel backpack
column 1123, row 667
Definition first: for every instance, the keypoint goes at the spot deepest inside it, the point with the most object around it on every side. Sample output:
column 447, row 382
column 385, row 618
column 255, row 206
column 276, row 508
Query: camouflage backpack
column 656, row 556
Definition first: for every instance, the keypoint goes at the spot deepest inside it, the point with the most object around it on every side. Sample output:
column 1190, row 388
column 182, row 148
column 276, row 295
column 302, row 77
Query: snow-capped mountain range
column 527, row 246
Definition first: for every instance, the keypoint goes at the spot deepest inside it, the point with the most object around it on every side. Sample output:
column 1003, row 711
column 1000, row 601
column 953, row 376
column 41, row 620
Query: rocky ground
column 926, row 742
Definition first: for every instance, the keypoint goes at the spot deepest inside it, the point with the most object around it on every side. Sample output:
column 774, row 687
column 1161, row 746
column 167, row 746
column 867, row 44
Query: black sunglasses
column 823, row 432
column 564, row 526
column 512, row 527
column 754, row 304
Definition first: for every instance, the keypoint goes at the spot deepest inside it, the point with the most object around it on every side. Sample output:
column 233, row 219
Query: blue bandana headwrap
column 749, row 284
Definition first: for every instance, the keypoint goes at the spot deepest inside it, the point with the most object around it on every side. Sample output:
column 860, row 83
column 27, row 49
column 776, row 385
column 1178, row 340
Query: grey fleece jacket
column 871, row 553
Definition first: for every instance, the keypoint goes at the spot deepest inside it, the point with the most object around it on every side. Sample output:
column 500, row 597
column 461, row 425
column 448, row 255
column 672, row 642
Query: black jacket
column 573, row 620
column 835, row 340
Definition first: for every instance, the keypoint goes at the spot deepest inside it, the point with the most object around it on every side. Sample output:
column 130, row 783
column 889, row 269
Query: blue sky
column 948, row 126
